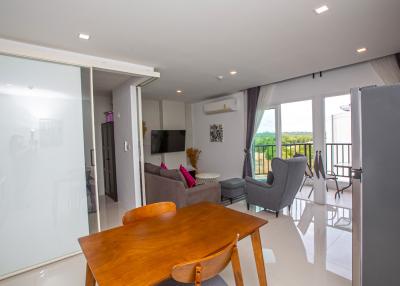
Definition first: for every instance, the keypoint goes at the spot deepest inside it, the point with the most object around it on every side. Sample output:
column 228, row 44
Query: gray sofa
column 160, row 189
column 288, row 176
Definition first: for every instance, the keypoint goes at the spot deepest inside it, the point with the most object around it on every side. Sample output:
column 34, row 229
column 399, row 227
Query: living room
column 202, row 143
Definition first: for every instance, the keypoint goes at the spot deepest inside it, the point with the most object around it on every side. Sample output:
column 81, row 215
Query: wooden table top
column 144, row 252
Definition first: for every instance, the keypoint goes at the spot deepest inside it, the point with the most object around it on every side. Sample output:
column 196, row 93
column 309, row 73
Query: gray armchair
column 288, row 176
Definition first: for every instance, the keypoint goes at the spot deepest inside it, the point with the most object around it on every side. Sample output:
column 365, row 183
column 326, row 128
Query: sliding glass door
column 297, row 129
column 264, row 144
column 45, row 156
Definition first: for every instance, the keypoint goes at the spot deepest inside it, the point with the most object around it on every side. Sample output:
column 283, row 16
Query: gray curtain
column 252, row 99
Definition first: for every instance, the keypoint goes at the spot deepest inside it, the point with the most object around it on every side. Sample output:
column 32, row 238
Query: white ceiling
column 191, row 42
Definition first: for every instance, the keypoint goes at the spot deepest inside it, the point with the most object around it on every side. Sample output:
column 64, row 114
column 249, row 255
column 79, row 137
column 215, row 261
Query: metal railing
column 336, row 153
column 263, row 155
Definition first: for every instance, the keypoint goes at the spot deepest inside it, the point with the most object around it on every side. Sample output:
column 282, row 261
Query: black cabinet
column 110, row 177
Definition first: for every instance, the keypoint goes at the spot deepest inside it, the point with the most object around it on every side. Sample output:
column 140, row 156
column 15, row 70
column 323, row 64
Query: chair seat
column 216, row 281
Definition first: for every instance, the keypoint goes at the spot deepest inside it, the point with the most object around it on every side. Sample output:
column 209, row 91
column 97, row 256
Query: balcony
column 336, row 153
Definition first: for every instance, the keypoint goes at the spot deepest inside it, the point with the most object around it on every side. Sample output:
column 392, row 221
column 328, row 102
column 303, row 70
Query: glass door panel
column 43, row 188
column 264, row 145
column 297, row 135
column 338, row 135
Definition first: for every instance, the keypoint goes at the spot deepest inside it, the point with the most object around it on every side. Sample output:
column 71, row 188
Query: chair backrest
column 309, row 173
column 289, row 174
column 148, row 211
column 208, row 267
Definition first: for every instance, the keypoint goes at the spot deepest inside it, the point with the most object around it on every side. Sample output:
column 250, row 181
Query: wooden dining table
column 144, row 252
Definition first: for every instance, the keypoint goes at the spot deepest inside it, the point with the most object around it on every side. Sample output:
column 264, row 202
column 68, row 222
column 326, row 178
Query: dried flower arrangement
column 193, row 155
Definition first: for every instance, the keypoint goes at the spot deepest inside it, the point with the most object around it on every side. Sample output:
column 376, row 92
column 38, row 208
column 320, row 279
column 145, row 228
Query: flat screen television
column 166, row 141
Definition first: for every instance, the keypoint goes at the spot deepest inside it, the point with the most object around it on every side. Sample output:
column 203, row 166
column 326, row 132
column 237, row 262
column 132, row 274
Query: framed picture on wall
column 216, row 133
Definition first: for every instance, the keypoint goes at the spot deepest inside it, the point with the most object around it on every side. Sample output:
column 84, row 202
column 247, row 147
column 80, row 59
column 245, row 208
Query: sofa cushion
column 151, row 168
column 174, row 175
column 190, row 181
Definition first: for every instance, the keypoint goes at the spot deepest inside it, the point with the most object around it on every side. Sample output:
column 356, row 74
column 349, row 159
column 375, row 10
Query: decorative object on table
column 144, row 128
column 216, row 133
column 109, row 116
column 193, row 155
column 206, row 178
column 233, row 188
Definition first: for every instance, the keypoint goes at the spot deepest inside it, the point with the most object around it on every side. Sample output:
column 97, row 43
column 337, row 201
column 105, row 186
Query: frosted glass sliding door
column 43, row 189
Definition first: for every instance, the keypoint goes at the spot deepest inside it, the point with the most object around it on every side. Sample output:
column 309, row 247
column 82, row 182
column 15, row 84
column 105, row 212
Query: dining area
column 159, row 244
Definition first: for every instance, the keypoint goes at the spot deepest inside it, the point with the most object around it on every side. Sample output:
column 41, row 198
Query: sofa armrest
column 161, row 189
column 210, row 192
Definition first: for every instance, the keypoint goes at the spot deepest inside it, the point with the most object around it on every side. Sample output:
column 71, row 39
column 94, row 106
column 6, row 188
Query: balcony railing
column 336, row 153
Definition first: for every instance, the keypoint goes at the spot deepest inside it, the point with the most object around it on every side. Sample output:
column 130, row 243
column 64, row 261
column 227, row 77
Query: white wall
column 334, row 82
column 102, row 103
column 151, row 116
column 167, row 115
column 225, row 158
column 127, row 161
column 173, row 118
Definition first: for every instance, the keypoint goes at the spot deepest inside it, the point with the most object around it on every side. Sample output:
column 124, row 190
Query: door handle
column 356, row 173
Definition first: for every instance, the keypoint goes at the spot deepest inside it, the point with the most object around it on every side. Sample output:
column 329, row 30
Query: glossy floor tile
column 309, row 246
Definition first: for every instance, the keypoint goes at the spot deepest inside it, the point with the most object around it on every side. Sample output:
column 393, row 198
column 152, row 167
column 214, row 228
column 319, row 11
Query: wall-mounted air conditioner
column 220, row 106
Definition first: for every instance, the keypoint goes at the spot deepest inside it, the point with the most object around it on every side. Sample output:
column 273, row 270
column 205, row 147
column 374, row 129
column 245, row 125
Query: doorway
column 114, row 129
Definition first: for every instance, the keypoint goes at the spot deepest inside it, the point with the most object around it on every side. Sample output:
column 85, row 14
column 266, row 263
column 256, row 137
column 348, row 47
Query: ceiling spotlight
column 321, row 9
column 220, row 77
column 361, row 50
column 179, row 91
column 84, row 36
column 233, row 72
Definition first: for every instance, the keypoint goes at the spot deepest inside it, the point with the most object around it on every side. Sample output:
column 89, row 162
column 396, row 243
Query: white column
column 319, row 144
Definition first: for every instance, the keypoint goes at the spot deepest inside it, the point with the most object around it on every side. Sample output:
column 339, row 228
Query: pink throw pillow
column 163, row 166
column 191, row 182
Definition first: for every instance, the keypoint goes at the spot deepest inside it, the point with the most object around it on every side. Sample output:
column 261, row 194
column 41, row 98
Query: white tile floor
column 311, row 246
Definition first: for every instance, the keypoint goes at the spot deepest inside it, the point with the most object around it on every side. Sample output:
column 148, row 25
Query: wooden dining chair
column 197, row 271
column 148, row 211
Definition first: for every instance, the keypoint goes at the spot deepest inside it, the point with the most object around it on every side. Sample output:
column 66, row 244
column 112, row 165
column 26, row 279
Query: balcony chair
column 320, row 171
column 288, row 176
column 204, row 271
column 148, row 211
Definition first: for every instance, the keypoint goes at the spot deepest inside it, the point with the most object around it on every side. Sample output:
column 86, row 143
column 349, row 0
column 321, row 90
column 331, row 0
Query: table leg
column 258, row 255
column 90, row 281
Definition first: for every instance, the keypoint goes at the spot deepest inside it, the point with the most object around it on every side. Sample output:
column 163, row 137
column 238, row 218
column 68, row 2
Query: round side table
column 204, row 178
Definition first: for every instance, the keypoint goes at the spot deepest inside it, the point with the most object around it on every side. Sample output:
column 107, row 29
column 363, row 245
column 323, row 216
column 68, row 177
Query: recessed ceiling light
column 84, row 36
column 179, row 91
column 321, row 9
column 361, row 50
column 233, row 72
column 220, row 77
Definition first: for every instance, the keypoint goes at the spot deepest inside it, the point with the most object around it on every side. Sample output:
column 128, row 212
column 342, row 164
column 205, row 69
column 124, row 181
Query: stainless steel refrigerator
column 376, row 185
